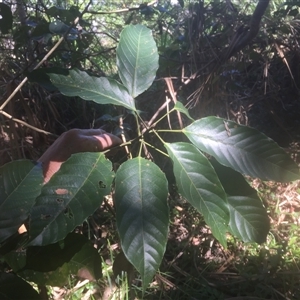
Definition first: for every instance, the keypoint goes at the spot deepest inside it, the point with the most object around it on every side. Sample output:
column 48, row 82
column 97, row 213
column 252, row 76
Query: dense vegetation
column 187, row 190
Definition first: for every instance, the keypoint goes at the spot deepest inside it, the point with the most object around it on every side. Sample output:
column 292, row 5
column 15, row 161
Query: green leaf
column 141, row 193
column 242, row 148
column 41, row 76
column 53, row 264
column 233, row 182
column 101, row 90
column 181, row 108
column 248, row 218
column 198, row 183
column 66, row 15
column 20, row 184
column 137, row 59
column 72, row 194
column 59, row 27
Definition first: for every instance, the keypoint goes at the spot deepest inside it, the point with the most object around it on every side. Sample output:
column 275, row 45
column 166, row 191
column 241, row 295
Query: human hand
column 75, row 141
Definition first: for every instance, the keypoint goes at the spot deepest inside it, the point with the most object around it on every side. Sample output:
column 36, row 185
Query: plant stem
column 149, row 145
column 168, row 130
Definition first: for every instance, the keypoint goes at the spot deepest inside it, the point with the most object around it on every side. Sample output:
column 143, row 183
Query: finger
column 90, row 132
column 94, row 143
column 75, row 141
column 106, row 141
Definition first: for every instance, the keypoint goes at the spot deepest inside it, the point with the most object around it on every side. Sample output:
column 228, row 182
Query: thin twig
column 156, row 114
column 36, row 67
column 123, row 9
column 26, row 78
column 26, row 124
column 123, row 137
column 174, row 98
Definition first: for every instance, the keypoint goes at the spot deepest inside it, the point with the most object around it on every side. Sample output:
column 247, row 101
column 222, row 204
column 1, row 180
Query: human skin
column 75, row 141
column 71, row 142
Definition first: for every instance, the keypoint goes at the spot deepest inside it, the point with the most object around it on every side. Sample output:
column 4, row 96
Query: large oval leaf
column 233, row 182
column 198, row 183
column 248, row 218
column 72, row 194
column 20, row 184
column 242, row 148
column 137, row 59
column 101, row 90
column 142, row 215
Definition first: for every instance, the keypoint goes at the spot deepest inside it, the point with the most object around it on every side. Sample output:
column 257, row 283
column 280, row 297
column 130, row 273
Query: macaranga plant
column 209, row 169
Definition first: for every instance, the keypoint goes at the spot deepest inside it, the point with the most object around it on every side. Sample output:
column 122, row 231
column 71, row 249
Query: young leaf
column 242, row 148
column 141, row 193
column 101, row 90
column 248, row 218
column 72, row 194
column 137, row 59
column 180, row 107
column 198, row 183
column 20, row 184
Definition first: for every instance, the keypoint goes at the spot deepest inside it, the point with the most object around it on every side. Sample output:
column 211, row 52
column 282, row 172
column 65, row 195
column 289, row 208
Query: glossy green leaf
column 71, row 195
column 53, row 264
column 137, row 58
column 198, row 183
column 101, row 90
column 248, row 218
column 233, row 182
column 20, row 184
column 242, row 148
column 141, row 192
column 41, row 76
column 181, row 108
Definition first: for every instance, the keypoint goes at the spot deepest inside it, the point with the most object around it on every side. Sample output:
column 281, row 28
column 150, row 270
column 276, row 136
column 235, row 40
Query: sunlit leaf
column 137, row 58
column 248, row 218
column 142, row 215
column 101, row 90
column 20, row 184
column 72, row 194
column 198, row 183
column 242, row 148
